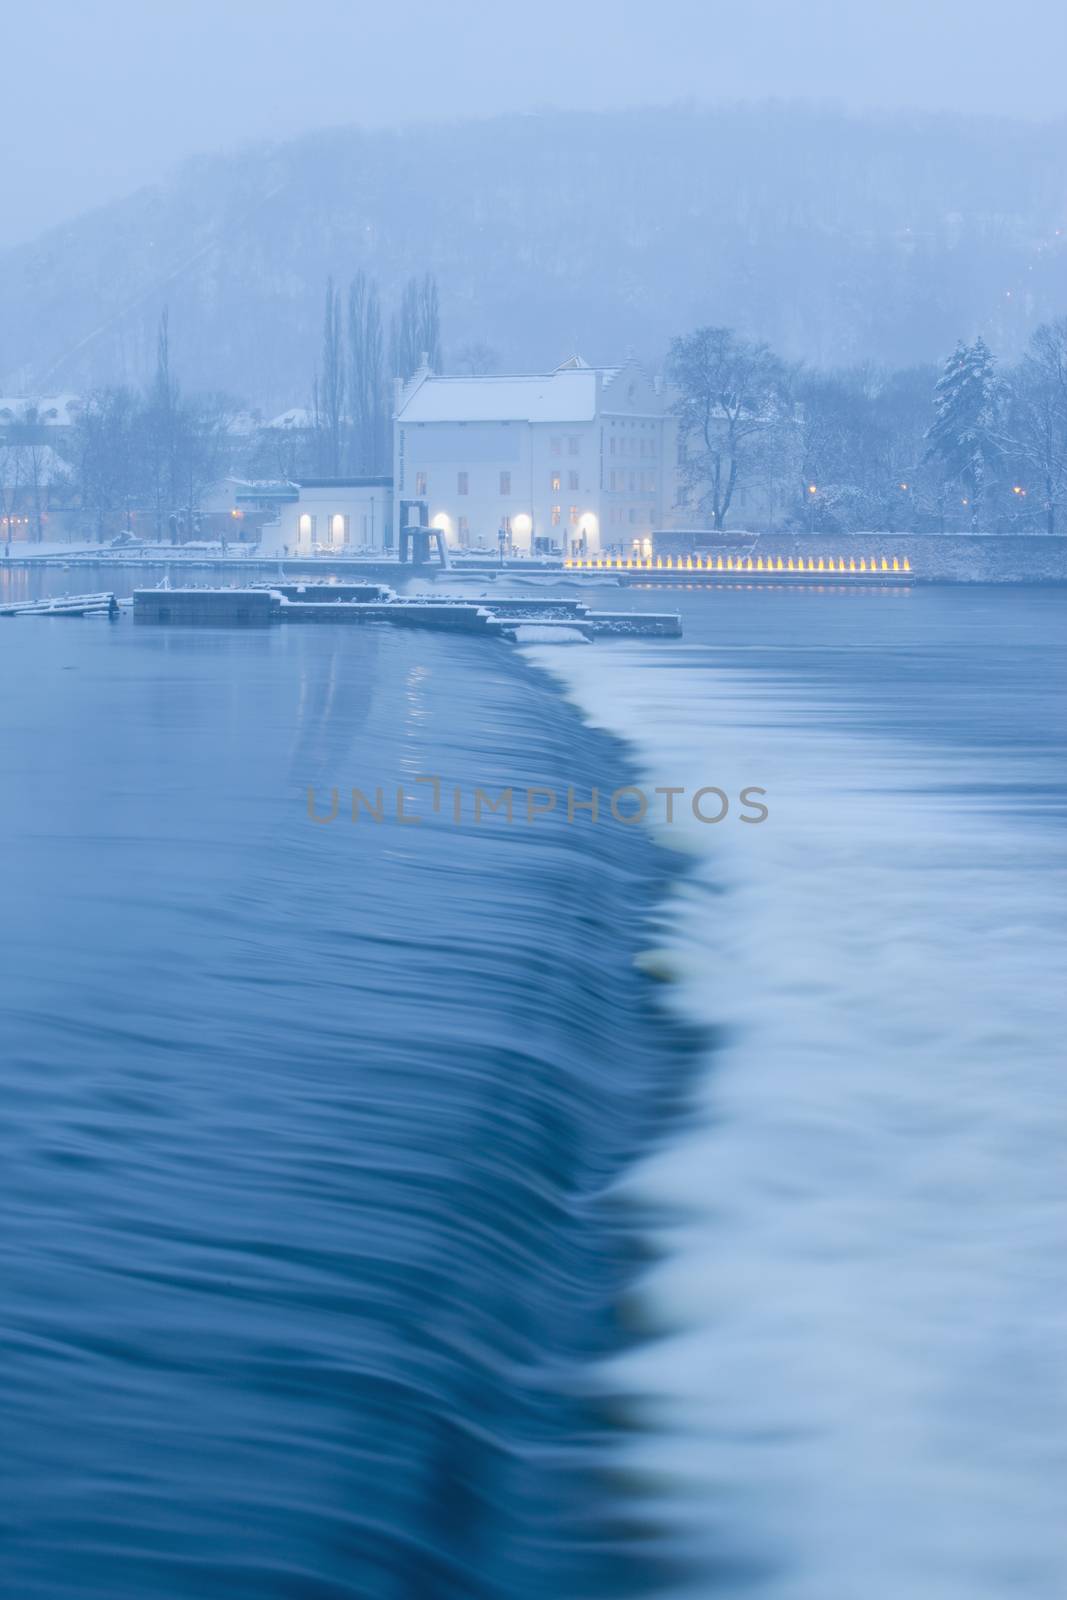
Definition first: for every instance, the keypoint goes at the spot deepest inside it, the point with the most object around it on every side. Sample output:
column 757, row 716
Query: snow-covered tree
column 963, row 434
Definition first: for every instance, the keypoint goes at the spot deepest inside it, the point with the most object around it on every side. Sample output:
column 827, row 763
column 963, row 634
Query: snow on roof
column 57, row 410
column 568, row 395
column 295, row 417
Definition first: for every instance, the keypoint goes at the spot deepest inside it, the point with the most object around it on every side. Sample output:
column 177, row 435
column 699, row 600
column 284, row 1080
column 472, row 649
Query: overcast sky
column 100, row 96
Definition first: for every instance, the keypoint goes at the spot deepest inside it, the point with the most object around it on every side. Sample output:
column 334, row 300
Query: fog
column 99, row 99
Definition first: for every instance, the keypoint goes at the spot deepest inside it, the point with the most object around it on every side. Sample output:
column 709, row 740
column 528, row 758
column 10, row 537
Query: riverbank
column 933, row 558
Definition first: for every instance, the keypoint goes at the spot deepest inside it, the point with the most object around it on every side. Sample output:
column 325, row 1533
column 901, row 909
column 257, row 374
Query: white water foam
column 859, row 1391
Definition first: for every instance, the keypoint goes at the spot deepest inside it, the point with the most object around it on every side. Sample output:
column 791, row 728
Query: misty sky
column 103, row 95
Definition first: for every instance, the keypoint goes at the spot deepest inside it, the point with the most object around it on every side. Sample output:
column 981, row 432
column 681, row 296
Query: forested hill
column 834, row 237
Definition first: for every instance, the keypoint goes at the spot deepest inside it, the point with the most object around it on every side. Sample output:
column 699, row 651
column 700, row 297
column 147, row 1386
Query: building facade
column 577, row 460
column 335, row 514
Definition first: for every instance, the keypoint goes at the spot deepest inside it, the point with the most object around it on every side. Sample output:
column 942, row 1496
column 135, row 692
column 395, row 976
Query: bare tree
column 731, row 409
column 159, row 432
column 477, row 358
column 366, row 375
column 1036, row 431
column 104, row 458
column 331, row 383
column 415, row 329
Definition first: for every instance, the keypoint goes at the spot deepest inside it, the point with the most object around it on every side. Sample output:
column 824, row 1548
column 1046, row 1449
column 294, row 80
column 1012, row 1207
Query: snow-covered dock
column 368, row 602
column 64, row 605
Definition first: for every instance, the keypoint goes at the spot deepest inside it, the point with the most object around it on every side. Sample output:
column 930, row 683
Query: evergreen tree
column 962, row 434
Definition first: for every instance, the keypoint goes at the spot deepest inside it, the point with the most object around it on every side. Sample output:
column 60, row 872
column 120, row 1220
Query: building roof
column 295, row 417
column 568, row 396
column 377, row 482
column 55, row 410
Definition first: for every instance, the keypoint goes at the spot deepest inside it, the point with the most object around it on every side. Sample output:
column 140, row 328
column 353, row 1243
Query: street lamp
column 813, row 490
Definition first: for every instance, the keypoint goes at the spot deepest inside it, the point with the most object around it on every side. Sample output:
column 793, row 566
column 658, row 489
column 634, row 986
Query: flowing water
column 861, row 1384
column 325, row 1145
column 308, row 1127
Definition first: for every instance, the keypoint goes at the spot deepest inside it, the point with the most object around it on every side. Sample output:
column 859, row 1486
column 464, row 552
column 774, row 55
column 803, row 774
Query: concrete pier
column 374, row 603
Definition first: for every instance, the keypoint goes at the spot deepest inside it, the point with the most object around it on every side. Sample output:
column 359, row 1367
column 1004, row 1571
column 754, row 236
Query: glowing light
column 812, row 488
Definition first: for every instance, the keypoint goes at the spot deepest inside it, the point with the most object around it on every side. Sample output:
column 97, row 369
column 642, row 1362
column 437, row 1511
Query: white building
column 580, row 459
column 339, row 514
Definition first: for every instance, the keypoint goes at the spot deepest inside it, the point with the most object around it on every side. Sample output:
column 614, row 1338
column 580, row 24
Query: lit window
column 505, row 483
column 555, row 482
column 462, row 483
column 573, row 444
column 572, row 480
column 338, row 529
column 307, row 526
column 556, row 515
column 556, row 446
column 420, row 483
column 573, row 514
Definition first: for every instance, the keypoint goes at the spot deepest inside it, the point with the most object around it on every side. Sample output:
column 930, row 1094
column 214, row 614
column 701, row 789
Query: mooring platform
column 365, row 603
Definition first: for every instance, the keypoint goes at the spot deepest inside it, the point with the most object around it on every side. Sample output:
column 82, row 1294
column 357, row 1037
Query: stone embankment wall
column 945, row 558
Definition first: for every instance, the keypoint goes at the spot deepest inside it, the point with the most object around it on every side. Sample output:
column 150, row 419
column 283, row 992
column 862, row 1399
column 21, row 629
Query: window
column 462, row 483
column 573, row 514
column 420, row 484
column 573, row 444
column 633, row 514
column 611, row 446
column 556, row 446
column 572, row 480
column 306, row 527
column 505, row 483
column 554, row 482
column 463, row 531
column 555, row 516
column 338, row 528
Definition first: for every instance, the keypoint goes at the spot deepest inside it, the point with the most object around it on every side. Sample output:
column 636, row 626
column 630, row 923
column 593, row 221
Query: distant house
column 579, row 459
column 41, row 419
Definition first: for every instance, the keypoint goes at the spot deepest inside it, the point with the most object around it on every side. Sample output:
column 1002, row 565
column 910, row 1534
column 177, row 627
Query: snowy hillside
column 833, row 237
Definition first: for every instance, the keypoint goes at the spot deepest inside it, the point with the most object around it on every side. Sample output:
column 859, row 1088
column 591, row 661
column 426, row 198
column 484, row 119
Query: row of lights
column 741, row 563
